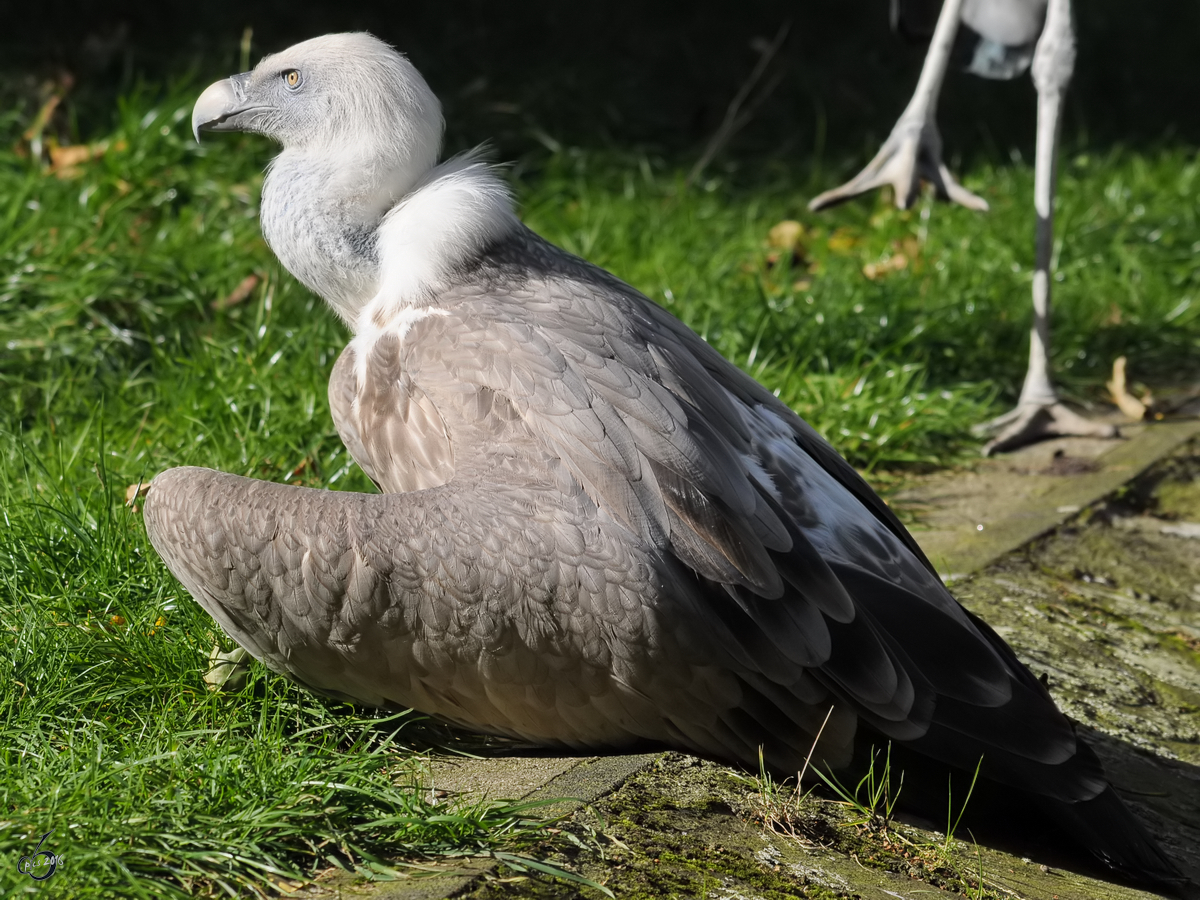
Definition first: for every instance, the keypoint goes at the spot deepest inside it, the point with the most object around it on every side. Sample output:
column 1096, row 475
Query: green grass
column 893, row 370
column 154, row 786
column 867, row 810
column 114, row 366
column 872, row 801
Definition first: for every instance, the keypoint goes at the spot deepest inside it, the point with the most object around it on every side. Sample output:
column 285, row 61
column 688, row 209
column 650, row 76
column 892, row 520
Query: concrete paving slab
column 968, row 520
column 497, row 778
column 572, row 781
column 588, row 781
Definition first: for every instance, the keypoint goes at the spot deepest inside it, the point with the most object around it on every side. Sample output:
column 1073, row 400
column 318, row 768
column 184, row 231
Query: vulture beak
column 224, row 107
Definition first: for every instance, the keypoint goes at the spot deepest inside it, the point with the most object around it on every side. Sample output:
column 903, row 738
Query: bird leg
column 1039, row 412
column 913, row 151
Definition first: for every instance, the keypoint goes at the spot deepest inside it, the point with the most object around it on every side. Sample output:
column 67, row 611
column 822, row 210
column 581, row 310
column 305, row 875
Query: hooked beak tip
column 220, row 101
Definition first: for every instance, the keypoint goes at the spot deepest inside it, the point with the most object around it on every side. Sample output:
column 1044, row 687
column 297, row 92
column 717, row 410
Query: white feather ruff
column 460, row 208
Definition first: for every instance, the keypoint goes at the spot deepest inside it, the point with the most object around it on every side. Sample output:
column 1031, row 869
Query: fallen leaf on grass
column 786, row 235
column 784, row 242
column 244, row 289
column 227, row 672
column 910, row 246
column 133, row 492
column 1130, row 405
column 301, row 467
column 897, row 262
column 905, row 253
column 842, row 241
column 65, row 162
column 32, row 136
column 38, row 125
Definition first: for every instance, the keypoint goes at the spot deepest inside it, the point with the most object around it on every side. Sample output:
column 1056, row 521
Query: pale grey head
column 359, row 128
column 330, row 92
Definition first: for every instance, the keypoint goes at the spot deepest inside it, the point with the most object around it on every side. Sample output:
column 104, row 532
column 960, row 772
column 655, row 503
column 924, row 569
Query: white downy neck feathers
column 446, row 222
column 354, row 206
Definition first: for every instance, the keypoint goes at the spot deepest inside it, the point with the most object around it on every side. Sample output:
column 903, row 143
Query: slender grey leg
column 913, row 151
column 1039, row 413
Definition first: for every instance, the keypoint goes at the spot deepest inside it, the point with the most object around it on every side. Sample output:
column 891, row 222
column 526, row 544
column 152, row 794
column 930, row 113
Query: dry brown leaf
column 909, row 245
column 65, row 161
column 244, row 289
column 301, row 468
column 133, row 492
column 61, row 157
column 897, row 262
column 1118, row 390
column 38, row 125
column 1132, row 407
column 785, row 235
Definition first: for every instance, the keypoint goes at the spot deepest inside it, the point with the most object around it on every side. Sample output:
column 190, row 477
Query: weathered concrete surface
column 687, row 828
column 1108, row 607
column 968, row 520
column 502, row 777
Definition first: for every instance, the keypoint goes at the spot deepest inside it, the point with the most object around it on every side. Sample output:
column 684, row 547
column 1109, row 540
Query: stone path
column 968, row 520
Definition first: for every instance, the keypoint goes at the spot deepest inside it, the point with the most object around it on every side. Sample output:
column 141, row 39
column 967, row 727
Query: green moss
column 1180, row 499
column 686, row 828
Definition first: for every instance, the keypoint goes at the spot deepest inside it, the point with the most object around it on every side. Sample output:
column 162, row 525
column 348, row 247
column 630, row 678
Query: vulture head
column 357, row 174
column 329, row 93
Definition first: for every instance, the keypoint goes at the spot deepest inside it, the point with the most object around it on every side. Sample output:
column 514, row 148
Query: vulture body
column 596, row 533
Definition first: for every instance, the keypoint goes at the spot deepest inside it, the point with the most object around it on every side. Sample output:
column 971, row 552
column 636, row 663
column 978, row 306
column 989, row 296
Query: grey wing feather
column 343, row 388
column 387, row 422
column 810, row 568
column 633, row 542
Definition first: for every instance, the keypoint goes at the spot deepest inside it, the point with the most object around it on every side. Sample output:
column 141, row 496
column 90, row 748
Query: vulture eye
column 292, row 78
